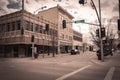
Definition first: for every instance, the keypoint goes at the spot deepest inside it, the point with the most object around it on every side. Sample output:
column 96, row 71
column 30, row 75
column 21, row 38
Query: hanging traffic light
column 102, row 32
column 64, row 24
column 32, row 38
column 82, row 2
column 97, row 32
column 47, row 27
column 118, row 24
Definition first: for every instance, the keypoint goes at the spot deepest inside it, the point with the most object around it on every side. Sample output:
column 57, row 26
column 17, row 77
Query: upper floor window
column 36, row 28
column 13, row 26
column 8, row 27
column 18, row 25
column 3, row 27
column 31, row 26
column 40, row 28
column 27, row 25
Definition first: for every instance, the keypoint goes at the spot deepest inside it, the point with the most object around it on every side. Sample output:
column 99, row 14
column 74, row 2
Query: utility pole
column 119, row 9
column 101, row 42
column 22, row 24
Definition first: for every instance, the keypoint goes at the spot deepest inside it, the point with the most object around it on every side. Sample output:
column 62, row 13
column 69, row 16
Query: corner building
column 65, row 36
column 14, row 44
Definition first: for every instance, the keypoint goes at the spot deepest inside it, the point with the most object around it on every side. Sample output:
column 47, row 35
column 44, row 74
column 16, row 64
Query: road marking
column 72, row 73
column 110, row 74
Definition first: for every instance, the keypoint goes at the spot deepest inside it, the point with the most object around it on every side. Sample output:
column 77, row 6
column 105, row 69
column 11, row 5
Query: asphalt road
column 84, row 66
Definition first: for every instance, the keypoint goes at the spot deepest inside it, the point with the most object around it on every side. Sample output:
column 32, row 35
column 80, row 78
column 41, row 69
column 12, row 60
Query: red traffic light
column 102, row 32
column 102, row 29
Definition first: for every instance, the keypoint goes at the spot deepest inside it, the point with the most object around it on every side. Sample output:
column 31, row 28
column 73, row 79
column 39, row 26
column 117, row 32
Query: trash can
column 36, row 55
column 99, row 57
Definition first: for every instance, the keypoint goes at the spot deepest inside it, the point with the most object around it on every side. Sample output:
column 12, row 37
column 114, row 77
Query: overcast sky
column 109, row 10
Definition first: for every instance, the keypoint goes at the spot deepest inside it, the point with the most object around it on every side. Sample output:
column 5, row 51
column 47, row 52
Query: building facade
column 15, row 44
column 65, row 35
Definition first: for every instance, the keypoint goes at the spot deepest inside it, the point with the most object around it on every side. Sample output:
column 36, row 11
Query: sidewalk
column 112, row 60
column 59, row 58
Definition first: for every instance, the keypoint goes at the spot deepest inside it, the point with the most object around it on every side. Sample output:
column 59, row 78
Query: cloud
column 14, row 4
column 105, row 4
column 115, row 8
column 3, row 8
column 115, row 18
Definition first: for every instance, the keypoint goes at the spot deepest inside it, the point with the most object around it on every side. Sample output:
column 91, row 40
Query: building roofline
column 61, row 8
column 25, row 11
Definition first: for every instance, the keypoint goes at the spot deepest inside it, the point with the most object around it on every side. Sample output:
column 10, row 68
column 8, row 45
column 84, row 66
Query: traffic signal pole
column 100, row 23
column 22, row 24
column 101, row 42
column 119, row 8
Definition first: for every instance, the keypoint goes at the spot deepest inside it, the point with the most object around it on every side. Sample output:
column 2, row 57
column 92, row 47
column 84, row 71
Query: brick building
column 14, row 44
column 65, row 36
column 55, row 40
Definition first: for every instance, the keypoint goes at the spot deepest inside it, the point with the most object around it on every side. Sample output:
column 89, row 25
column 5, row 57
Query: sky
column 109, row 10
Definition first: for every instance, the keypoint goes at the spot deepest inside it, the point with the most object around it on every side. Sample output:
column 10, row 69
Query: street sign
column 79, row 21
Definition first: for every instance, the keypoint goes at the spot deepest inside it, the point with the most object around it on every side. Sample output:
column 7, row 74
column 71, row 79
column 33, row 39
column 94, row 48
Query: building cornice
column 60, row 9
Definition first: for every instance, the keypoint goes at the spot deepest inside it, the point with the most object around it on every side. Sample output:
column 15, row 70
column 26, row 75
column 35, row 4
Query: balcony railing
column 15, row 37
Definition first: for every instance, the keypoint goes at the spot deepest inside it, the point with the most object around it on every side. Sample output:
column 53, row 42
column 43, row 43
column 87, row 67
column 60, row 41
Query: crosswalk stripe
column 72, row 73
column 110, row 74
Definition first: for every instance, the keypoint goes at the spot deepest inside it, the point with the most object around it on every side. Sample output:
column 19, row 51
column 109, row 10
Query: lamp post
column 101, row 41
column 40, row 9
column 119, row 9
column 43, row 48
column 53, row 44
column 22, row 24
column 33, row 37
column 100, row 25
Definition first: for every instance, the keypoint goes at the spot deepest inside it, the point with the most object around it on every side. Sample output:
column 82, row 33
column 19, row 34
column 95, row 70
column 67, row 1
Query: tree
column 107, row 40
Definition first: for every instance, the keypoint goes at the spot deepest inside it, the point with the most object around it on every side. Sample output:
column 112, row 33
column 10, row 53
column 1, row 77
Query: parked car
column 106, row 52
column 75, row 51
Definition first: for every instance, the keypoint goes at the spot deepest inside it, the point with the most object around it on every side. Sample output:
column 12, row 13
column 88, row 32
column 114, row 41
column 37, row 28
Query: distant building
column 14, row 44
column 65, row 36
column 77, row 40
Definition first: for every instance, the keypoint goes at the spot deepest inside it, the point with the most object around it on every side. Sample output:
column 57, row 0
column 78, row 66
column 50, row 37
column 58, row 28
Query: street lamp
column 41, row 8
column 33, row 37
column 22, row 24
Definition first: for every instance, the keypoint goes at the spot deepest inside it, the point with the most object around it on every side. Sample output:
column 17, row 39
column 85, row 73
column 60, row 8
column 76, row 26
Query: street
column 83, row 66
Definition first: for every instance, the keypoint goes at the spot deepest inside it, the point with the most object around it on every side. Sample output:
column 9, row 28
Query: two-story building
column 54, row 40
column 15, row 44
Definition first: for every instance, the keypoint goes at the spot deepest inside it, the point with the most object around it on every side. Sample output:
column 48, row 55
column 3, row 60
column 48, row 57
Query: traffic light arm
column 96, row 11
column 86, row 23
column 91, row 24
